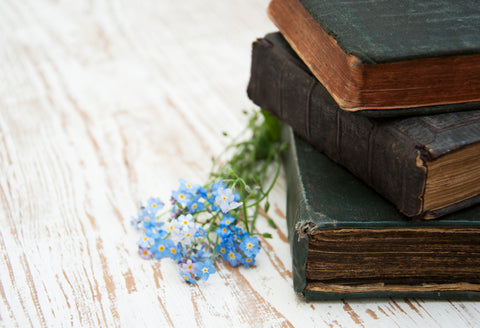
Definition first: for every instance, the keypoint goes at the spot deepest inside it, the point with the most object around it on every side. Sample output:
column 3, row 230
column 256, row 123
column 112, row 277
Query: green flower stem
column 162, row 214
column 214, row 251
column 244, row 208
column 254, row 220
column 265, row 195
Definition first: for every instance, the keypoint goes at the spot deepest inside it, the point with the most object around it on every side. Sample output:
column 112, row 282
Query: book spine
column 297, row 215
column 382, row 157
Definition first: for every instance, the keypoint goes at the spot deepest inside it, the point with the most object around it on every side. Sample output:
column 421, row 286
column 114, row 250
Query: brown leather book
column 380, row 54
column 427, row 166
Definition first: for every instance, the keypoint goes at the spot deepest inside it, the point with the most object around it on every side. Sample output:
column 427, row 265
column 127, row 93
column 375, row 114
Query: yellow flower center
column 161, row 248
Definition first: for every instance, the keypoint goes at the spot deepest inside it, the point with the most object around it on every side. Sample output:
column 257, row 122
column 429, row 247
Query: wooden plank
column 103, row 104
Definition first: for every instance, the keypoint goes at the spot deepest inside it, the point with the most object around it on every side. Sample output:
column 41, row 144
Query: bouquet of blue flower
column 216, row 220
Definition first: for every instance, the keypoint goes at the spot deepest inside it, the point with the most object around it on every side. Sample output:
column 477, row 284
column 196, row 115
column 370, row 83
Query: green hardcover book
column 383, row 54
column 348, row 242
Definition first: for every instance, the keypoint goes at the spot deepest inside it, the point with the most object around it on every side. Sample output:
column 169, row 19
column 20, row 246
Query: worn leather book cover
column 348, row 242
column 381, row 54
column 427, row 165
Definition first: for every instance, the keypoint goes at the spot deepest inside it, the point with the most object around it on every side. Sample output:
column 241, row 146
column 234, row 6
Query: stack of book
column 383, row 165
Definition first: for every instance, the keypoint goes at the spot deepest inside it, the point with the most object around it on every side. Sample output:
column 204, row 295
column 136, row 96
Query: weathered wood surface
column 105, row 103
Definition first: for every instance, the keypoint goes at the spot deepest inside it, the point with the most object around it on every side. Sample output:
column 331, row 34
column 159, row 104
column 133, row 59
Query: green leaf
column 267, row 235
column 262, row 146
column 283, row 146
column 273, row 126
column 271, row 223
column 267, row 206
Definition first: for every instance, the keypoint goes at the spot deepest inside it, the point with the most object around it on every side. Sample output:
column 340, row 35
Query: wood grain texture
column 105, row 103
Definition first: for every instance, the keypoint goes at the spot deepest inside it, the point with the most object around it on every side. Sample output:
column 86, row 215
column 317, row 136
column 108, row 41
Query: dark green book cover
column 382, row 54
column 417, row 163
column 380, row 31
column 347, row 242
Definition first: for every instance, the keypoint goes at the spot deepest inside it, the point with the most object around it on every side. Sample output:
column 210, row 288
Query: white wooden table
column 105, row 103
